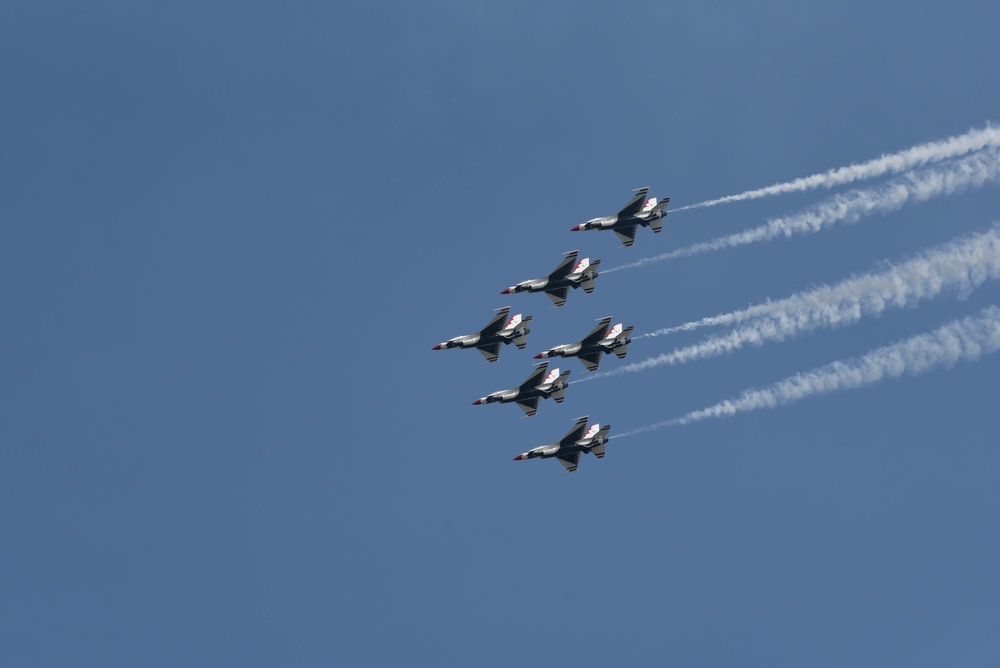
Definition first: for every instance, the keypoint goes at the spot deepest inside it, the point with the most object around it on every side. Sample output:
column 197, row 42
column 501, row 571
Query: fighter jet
column 541, row 384
column 569, row 274
column 638, row 211
column 488, row 339
column 567, row 450
column 589, row 349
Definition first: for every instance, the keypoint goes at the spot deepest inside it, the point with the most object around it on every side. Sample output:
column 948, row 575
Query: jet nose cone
column 539, row 356
column 477, row 402
column 575, row 228
column 518, row 458
column 505, row 291
column 437, row 347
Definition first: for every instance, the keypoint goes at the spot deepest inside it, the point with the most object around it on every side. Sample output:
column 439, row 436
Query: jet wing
column 598, row 332
column 565, row 267
column 574, row 434
column 558, row 296
column 529, row 406
column 491, row 351
column 591, row 360
column 634, row 204
column 571, row 462
column 535, row 379
column 626, row 234
column 496, row 324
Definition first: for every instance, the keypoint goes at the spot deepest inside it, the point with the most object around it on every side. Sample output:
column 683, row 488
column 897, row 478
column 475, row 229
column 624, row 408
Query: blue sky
column 233, row 231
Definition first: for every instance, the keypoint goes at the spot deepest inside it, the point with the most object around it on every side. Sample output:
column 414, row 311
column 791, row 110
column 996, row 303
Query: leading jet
column 569, row 274
column 541, row 384
column 638, row 211
column 497, row 331
column 590, row 347
column 567, row 450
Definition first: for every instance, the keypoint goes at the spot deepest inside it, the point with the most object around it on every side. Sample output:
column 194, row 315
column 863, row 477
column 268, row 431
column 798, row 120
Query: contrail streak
column 963, row 340
column 974, row 171
column 961, row 265
column 894, row 163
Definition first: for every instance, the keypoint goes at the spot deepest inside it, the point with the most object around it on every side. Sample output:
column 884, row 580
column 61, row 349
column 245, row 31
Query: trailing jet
column 589, row 349
column 541, row 384
column 569, row 274
column 567, row 450
column 488, row 339
column 638, row 211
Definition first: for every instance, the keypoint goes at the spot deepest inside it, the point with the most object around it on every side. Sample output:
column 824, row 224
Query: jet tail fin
column 517, row 321
column 559, row 395
column 588, row 285
column 657, row 225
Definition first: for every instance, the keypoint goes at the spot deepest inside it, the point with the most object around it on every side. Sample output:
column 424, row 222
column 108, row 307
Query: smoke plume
column 974, row 171
column 894, row 163
column 963, row 340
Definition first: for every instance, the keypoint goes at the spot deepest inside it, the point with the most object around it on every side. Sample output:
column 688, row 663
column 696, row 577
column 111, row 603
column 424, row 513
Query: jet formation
column 569, row 274
column 638, row 211
column 604, row 339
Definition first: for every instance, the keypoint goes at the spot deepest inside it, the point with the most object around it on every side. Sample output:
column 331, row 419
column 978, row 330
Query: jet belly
column 562, row 351
column 533, row 285
column 467, row 341
column 543, row 451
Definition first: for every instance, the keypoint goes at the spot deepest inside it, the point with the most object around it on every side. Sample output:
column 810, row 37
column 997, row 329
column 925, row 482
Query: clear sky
column 232, row 232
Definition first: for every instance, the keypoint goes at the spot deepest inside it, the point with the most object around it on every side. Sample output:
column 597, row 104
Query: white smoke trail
column 974, row 171
column 961, row 265
column 894, row 163
column 963, row 340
